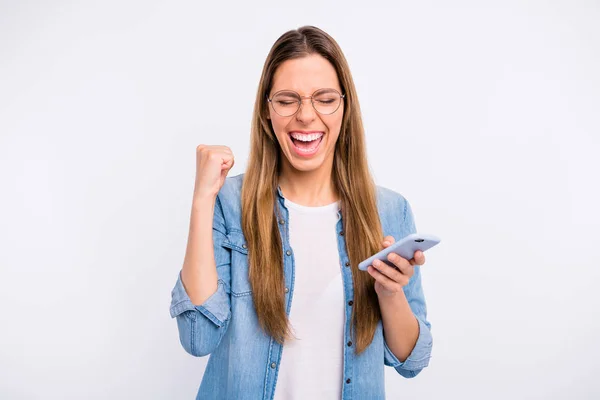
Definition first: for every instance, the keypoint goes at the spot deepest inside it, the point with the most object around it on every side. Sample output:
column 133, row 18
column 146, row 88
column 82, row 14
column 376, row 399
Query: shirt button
column 287, row 289
column 347, row 263
column 244, row 246
column 342, row 233
column 349, row 344
column 348, row 380
column 281, row 221
column 288, row 252
column 350, row 302
column 273, row 365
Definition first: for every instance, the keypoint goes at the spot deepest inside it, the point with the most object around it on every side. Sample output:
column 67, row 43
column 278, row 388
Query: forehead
column 305, row 75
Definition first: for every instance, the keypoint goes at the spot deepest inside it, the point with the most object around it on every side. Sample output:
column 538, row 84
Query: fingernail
column 386, row 243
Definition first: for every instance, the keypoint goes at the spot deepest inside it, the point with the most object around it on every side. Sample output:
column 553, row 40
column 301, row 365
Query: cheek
column 334, row 124
column 277, row 125
column 279, row 129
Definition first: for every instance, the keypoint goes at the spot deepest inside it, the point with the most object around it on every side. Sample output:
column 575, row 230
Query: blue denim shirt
column 244, row 361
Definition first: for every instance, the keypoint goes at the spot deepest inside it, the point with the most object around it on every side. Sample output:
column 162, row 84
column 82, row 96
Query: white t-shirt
column 312, row 365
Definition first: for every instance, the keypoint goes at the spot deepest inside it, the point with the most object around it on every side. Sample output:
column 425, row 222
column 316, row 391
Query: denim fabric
column 244, row 361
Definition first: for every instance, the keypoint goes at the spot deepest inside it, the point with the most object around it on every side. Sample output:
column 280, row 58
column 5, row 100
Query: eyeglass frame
column 270, row 100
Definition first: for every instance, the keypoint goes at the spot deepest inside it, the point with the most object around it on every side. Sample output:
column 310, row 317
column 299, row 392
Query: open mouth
column 306, row 144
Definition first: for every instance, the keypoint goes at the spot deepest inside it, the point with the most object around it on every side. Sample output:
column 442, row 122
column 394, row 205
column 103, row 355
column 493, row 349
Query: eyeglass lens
column 325, row 101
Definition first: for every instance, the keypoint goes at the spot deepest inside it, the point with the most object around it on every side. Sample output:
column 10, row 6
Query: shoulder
column 229, row 201
column 232, row 187
column 390, row 201
column 395, row 213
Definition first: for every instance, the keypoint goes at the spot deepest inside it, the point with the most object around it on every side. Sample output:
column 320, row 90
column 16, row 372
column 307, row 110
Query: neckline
column 313, row 209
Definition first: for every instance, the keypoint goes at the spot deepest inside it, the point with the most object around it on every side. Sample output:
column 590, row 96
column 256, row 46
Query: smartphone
column 404, row 247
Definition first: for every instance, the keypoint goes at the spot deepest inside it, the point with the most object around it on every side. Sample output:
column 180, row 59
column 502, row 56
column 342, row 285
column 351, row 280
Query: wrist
column 203, row 201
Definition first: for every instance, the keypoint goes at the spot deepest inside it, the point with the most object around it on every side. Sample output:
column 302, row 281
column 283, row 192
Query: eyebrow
column 292, row 90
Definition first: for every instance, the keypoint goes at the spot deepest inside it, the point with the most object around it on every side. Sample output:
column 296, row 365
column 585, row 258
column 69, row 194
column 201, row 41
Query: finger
column 386, row 282
column 404, row 266
column 390, row 272
column 407, row 270
column 388, row 240
column 418, row 258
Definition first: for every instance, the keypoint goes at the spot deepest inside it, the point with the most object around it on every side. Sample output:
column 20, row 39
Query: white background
column 484, row 115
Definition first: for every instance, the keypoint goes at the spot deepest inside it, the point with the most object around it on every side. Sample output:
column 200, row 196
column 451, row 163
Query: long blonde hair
column 351, row 178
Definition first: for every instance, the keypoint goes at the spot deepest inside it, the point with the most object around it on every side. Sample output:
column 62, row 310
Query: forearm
column 199, row 272
column 400, row 326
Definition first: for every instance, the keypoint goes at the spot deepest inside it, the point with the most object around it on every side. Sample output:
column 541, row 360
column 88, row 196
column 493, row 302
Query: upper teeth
column 306, row 137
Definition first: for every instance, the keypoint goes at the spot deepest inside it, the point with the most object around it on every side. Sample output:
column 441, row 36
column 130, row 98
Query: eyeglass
column 287, row 102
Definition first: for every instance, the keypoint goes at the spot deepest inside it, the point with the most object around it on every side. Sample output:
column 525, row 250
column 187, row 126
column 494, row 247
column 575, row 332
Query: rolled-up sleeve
column 201, row 327
column 421, row 353
column 215, row 308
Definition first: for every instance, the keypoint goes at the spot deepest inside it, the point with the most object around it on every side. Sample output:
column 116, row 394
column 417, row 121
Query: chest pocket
column 240, row 285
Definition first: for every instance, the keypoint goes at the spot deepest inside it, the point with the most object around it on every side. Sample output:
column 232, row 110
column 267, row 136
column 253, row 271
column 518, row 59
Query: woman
column 270, row 285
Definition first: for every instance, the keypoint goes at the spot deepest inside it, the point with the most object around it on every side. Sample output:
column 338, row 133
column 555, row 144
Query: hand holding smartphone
column 405, row 247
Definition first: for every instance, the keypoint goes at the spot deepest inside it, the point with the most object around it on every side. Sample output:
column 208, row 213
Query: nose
column 306, row 113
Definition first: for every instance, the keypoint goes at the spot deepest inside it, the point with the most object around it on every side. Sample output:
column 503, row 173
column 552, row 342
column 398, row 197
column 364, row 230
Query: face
column 306, row 75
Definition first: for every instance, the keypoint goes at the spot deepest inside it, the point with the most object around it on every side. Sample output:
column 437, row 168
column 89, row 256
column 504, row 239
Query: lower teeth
column 305, row 150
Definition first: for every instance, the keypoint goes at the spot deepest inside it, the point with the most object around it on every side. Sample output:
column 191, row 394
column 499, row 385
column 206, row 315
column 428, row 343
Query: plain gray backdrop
column 484, row 115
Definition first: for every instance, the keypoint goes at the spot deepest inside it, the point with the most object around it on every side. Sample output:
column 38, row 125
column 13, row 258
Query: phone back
column 405, row 247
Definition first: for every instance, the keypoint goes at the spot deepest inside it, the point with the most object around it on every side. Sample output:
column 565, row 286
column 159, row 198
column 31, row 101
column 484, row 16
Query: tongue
column 305, row 145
